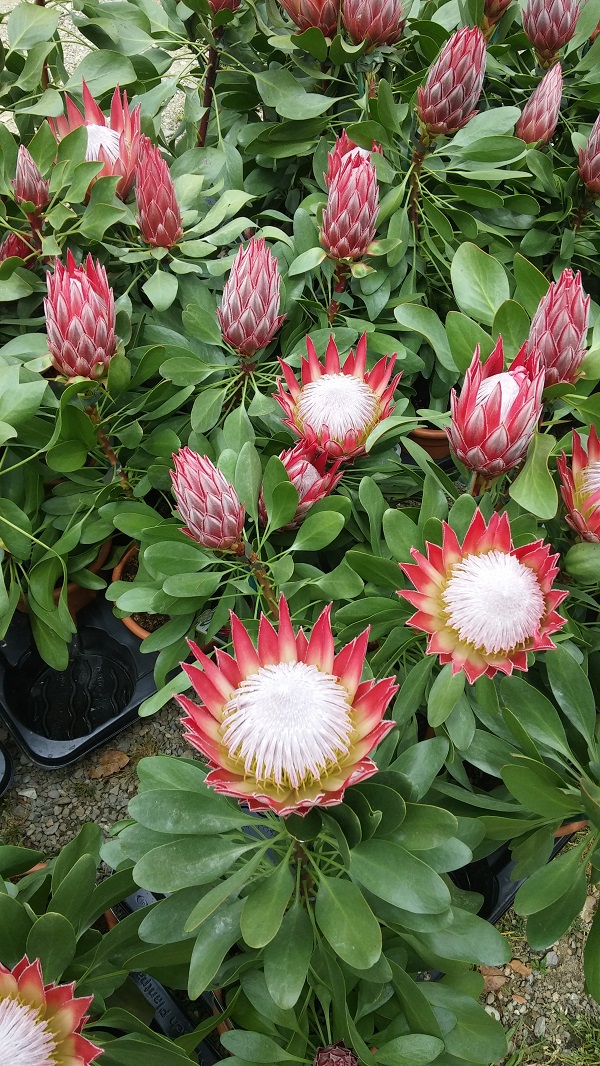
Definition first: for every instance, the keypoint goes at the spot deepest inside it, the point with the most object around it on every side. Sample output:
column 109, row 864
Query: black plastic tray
column 6, row 770
column 57, row 717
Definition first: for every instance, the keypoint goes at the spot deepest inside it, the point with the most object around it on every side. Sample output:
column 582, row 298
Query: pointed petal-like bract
column 318, row 14
column 589, row 161
column 159, row 213
column 28, row 182
column 80, row 318
column 207, row 502
column 559, row 329
column 378, row 22
column 580, row 486
column 549, row 25
column 449, row 97
column 335, row 1055
column 350, row 215
column 249, row 313
column 306, row 467
column 539, row 117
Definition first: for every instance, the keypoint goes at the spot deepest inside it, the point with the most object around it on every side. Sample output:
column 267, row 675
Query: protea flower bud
column 539, row 117
column 336, row 407
column 40, row 1024
column 350, row 216
column 207, row 502
column 493, row 11
column 306, row 467
column 335, row 1055
column 589, row 161
column 28, row 182
column 223, row 5
column 159, row 215
column 14, row 244
column 378, row 22
column 559, row 329
column 288, row 725
column 495, row 416
column 343, row 147
column 318, row 14
column 549, row 25
column 80, row 318
column 113, row 141
column 447, row 100
column 249, row 313
column 580, row 486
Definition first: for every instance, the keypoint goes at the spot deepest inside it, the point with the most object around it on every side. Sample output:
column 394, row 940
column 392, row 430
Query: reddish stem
column 264, row 583
column 415, row 186
column 45, row 78
column 209, row 86
column 108, row 450
column 341, row 276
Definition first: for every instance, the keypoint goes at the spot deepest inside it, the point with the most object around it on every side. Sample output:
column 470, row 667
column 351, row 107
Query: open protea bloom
column 589, row 161
column 80, row 318
column 320, row 14
column 249, row 313
column 114, row 141
column 539, row 117
column 335, row 1055
column 559, row 329
column 307, row 470
column 343, row 147
column 494, row 418
column 336, row 407
column 290, row 725
column 40, row 1025
column 207, row 502
column 580, row 486
column 485, row 603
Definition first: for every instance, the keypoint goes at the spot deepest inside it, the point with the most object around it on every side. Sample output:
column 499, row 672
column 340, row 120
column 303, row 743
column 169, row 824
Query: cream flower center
column 341, row 402
column 102, row 137
column 494, row 602
column 24, row 1037
column 288, row 723
column 590, row 478
column 305, row 481
column 509, row 391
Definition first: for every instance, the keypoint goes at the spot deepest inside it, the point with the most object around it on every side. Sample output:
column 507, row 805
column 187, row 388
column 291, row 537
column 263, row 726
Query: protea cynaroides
column 249, row 313
column 350, row 215
column 539, row 117
column 549, row 25
column 321, row 15
column 207, row 502
column 580, row 486
column 28, row 183
column 159, row 214
column 559, row 329
column 589, row 162
column 449, row 97
column 309, row 473
column 335, row 1055
column 80, row 318
column 378, row 22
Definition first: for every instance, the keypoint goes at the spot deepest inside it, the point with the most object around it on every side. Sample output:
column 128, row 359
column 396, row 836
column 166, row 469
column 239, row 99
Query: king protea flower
column 580, row 486
column 447, row 100
column 335, row 1055
column 493, row 11
column 308, row 472
column 15, row 245
column 485, row 603
column 159, row 213
column 549, row 25
column 249, row 313
column 289, row 725
column 40, row 1025
column 114, row 141
column 350, row 216
column 539, row 117
column 494, row 418
column 342, row 148
column 559, row 328
column 378, row 22
column 80, row 318
column 28, row 182
column 318, row 14
column 207, row 502
column 589, row 161
column 336, row 407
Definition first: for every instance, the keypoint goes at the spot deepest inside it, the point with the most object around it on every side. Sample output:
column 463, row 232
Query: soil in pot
column 127, row 570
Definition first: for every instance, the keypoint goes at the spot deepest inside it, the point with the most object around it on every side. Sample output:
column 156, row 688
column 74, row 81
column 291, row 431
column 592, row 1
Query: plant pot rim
column 128, row 621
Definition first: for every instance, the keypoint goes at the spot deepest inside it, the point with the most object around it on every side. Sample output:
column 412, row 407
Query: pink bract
column 322, row 15
column 559, row 329
column 378, row 22
column 350, row 215
column 448, row 99
column 308, row 472
column 28, row 182
column 485, row 604
column 539, row 117
column 159, row 214
column 207, row 502
column 589, row 161
column 249, row 313
column 580, row 486
column 549, row 25
column 288, row 725
column 80, row 318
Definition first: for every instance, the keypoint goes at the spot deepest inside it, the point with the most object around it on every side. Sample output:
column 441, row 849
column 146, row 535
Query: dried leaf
column 492, row 984
column 110, row 762
column 520, row 967
column 519, row 999
column 491, row 971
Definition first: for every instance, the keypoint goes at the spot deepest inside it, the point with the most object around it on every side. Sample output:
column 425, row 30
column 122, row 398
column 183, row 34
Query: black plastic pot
column 56, row 717
column 6, row 770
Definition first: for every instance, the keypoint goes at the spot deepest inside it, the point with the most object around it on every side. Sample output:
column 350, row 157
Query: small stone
column 27, row 793
column 555, row 997
column 540, row 1027
column 490, row 998
column 551, row 959
column 493, row 1012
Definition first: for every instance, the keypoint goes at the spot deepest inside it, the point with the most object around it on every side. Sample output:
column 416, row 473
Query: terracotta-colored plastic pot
column 571, row 827
column 433, row 441
column 78, row 597
column 129, row 622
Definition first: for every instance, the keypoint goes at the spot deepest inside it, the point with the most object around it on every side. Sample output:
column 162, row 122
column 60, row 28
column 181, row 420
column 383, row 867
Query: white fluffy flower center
column 590, row 478
column 24, row 1037
column 509, row 391
column 341, row 402
column 288, row 723
column 102, row 137
column 494, row 602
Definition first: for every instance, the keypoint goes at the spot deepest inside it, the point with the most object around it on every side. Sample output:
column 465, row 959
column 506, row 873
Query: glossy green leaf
column 444, row 695
column 347, row 922
column 52, row 940
column 400, row 878
column 265, row 905
column 534, row 488
column 480, row 283
column 287, row 957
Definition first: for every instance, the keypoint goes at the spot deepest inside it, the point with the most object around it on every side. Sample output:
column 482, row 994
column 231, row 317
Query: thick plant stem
column 108, row 449
column 341, row 275
column 415, row 186
column 263, row 581
column 209, row 86
column 45, row 78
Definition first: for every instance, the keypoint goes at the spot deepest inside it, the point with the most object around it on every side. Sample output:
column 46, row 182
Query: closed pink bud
column 159, row 215
column 223, row 5
column 14, row 245
column 540, row 115
column 559, row 329
column 350, row 216
column 447, row 100
column 549, row 25
column 494, row 418
column 306, row 467
column 249, row 313
column 378, row 22
column 28, row 183
column 80, row 318
column 343, row 147
column 207, row 502
column 314, row 14
column 493, row 11
column 589, row 161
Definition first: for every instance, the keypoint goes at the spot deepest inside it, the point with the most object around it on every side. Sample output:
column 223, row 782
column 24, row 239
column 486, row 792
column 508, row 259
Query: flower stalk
column 210, row 79
column 107, row 448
